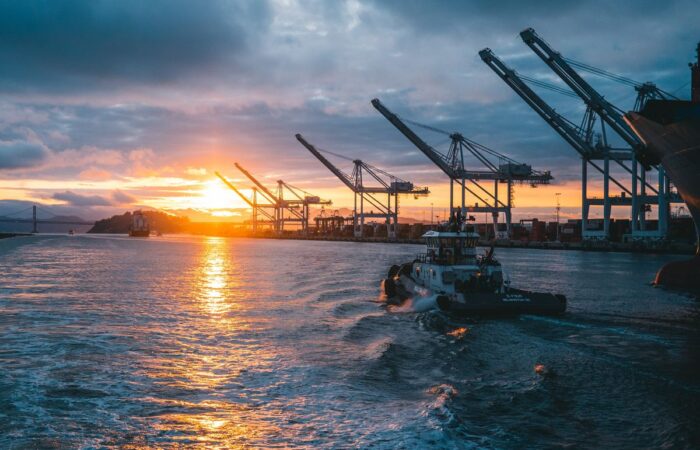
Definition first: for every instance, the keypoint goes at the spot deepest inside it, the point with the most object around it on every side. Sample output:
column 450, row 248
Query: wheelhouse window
column 470, row 242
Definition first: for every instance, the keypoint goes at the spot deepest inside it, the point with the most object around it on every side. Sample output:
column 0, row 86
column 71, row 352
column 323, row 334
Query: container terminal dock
column 531, row 234
column 482, row 180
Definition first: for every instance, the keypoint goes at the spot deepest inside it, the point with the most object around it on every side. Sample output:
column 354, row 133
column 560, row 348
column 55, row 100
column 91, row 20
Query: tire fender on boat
column 393, row 270
column 390, row 287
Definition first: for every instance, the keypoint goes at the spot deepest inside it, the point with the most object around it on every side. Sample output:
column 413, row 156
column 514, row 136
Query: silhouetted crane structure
column 494, row 166
column 332, row 223
column 389, row 185
column 594, row 147
column 287, row 210
column 266, row 210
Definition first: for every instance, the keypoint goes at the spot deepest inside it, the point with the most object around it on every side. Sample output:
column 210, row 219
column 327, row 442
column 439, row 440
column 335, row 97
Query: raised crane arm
column 245, row 199
column 590, row 96
column 271, row 197
column 562, row 126
column 429, row 151
column 233, row 188
column 307, row 197
column 338, row 173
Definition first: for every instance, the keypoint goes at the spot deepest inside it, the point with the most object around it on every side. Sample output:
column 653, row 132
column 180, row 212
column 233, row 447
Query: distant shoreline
column 11, row 235
column 618, row 247
column 595, row 246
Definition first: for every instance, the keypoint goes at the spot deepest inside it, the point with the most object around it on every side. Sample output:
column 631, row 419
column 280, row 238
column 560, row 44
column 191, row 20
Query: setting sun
column 215, row 195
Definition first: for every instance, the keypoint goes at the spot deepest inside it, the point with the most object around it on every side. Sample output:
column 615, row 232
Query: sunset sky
column 107, row 106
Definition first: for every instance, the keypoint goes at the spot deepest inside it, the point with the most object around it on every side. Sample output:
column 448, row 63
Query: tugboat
column 463, row 283
column 139, row 225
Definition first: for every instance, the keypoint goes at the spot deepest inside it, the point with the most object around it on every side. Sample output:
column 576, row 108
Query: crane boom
column 590, row 96
column 562, row 126
column 338, row 173
column 429, row 151
column 266, row 191
column 233, row 188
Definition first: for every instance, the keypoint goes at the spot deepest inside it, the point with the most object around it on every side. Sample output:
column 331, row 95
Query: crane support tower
column 293, row 210
column 593, row 147
column 275, row 210
column 494, row 166
column 388, row 185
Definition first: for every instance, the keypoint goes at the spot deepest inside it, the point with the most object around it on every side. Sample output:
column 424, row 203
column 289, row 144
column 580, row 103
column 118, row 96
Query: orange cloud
column 94, row 174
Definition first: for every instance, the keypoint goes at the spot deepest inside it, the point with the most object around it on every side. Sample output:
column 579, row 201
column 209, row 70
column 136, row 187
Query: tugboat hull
column 451, row 277
column 513, row 303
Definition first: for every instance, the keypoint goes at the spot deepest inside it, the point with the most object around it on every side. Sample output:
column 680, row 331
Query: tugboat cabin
column 450, row 248
column 450, row 259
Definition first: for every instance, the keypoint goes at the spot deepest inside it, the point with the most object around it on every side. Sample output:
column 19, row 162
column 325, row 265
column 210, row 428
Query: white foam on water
column 418, row 304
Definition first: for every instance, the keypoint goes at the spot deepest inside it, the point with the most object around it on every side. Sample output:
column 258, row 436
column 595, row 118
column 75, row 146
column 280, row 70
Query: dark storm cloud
column 17, row 154
column 275, row 70
column 615, row 35
column 80, row 44
column 505, row 18
column 74, row 199
column 446, row 16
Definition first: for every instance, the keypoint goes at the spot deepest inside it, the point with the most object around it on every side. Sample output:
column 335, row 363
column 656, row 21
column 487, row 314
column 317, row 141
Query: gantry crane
column 294, row 210
column 330, row 223
column 389, row 185
column 503, row 170
column 581, row 137
column 610, row 115
column 258, row 208
column 302, row 199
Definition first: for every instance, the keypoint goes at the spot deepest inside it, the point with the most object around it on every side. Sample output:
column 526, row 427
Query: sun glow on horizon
column 215, row 195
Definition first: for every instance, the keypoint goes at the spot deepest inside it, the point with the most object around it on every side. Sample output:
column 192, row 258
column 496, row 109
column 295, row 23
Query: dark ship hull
column 671, row 132
column 513, row 303
column 400, row 286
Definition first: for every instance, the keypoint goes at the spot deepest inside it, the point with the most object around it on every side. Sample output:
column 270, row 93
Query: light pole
column 557, row 195
column 432, row 214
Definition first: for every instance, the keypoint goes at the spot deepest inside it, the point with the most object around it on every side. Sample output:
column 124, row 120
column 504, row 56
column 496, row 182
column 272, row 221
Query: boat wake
column 416, row 305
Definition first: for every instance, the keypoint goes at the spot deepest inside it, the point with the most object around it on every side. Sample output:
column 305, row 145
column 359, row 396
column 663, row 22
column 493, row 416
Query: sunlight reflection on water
column 189, row 342
column 207, row 361
column 216, row 277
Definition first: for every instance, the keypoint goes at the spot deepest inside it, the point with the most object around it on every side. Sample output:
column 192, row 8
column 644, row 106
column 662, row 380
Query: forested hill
column 159, row 221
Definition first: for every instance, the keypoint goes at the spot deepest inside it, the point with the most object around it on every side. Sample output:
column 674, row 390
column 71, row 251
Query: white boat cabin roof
column 450, row 234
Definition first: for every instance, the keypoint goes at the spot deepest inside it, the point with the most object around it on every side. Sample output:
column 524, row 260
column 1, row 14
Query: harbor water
column 197, row 342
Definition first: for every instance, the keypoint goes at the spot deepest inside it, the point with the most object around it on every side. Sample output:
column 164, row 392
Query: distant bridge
column 35, row 221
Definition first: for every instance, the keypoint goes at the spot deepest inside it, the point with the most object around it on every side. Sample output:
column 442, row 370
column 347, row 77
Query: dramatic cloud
column 77, row 45
column 21, row 153
column 135, row 92
column 81, row 200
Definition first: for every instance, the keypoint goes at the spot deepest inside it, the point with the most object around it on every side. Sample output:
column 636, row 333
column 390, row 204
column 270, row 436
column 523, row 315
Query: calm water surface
column 210, row 342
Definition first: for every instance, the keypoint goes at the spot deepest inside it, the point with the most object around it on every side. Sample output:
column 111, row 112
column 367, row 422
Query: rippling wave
column 196, row 342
